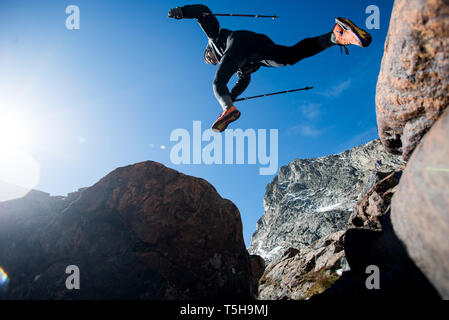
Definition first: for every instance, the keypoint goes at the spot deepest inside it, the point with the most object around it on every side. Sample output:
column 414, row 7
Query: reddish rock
column 414, row 77
column 420, row 207
column 142, row 232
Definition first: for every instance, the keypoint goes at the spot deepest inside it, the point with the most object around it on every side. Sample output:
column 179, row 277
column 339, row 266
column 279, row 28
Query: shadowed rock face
column 420, row 207
column 414, row 77
column 257, row 268
column 397, row 275
column 312, row 198
column 142, row 232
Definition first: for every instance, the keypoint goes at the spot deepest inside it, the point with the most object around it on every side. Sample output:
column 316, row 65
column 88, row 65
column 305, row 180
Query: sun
column 19, row 170
column 15, row 131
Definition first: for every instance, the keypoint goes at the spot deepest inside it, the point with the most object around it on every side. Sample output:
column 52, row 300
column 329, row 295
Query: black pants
column 243, row 46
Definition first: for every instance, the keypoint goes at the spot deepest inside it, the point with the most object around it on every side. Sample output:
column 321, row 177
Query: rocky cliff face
column 142, row 232
column 413, row 80
column 313, row 198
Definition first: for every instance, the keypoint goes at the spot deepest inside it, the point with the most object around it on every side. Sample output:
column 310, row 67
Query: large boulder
column 414, row 76
column 142, row 232
column 420, row 207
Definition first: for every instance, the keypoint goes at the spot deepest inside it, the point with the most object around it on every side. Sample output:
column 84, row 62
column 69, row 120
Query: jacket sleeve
column 205, row 18
column 240, row 86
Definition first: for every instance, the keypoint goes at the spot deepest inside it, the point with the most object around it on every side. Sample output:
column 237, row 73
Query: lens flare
column 4, row 279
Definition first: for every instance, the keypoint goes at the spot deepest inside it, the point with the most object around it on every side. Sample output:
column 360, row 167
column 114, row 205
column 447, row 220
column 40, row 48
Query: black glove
column 175, row 13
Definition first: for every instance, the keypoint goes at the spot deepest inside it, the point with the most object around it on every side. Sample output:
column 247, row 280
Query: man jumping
column 244, row 52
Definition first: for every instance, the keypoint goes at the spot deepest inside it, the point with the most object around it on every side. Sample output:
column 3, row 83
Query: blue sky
column 110, row 94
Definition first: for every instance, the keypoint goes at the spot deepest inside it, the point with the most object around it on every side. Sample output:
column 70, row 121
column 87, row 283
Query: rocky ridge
column 312, row 198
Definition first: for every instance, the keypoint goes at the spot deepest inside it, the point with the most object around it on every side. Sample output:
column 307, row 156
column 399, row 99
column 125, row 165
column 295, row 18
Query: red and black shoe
column 225, row 119
column 346, row 33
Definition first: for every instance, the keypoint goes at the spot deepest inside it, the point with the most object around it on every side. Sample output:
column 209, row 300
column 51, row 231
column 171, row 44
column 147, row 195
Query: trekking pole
column 274, row 93
column 242, row 15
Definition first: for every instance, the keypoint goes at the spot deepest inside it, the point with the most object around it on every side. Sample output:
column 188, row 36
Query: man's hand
column 175, row 13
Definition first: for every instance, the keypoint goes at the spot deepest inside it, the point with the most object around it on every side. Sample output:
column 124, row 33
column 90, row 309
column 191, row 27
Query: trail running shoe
column 225, row 119
column 347, row 33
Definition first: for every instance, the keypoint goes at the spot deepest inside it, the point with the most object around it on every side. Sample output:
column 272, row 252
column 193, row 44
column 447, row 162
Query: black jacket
column 218, row 38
